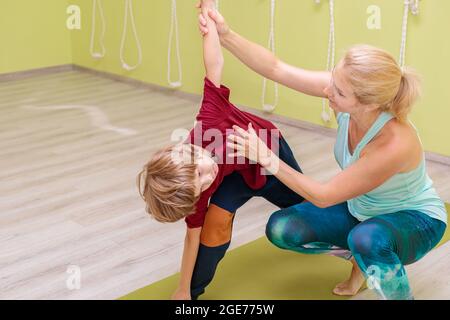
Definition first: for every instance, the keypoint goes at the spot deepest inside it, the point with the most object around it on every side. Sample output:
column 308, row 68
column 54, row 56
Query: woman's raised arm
column 264, row 62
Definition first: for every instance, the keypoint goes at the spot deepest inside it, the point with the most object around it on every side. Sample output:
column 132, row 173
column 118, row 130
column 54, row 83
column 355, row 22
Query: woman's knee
column 369, row 239
column 286, row 229
column 274, row 228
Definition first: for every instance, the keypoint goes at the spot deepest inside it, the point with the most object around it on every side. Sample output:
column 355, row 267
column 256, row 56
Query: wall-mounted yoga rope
column 174, row 25
column 409, row 6
column 326, row 114
column 129, row 11
column 268, row 107
column 101, row 54
column 413, row 6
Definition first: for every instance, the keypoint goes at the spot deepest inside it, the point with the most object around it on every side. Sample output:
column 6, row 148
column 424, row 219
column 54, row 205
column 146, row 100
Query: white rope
column 174, row 25
column 268, row 107
column 217, row 5
column 101, row 54
column 126, row 66
column 413, row 6
column 326, row 115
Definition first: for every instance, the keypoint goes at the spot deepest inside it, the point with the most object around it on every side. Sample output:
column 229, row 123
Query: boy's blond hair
column 168, row 181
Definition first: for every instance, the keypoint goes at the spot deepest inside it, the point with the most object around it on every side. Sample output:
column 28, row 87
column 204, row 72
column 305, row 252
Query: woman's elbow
column 322, row 204
column 324, row 199
column 276, row 70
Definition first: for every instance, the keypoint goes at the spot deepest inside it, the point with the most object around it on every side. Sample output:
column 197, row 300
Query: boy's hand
column 181, row 294
column 221, row 24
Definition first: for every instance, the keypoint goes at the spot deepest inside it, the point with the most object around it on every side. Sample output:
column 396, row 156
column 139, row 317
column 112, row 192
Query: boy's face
column 207, row 170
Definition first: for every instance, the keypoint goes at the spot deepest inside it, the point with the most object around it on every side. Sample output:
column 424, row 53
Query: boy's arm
column 191, row 245
column 212, row 49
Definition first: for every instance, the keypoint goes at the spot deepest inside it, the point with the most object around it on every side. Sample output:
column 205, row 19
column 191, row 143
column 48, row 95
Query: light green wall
column 33, row 34
column 301, row 39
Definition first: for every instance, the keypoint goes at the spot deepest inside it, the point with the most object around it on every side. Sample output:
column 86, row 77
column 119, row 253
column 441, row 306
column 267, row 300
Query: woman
column 381, row 209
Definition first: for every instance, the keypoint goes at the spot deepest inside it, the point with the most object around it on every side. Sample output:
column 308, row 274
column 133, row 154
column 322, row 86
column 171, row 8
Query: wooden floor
column 71, row 145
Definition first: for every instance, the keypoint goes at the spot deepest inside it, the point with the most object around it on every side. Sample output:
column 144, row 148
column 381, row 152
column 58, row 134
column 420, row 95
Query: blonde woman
column 381, row 211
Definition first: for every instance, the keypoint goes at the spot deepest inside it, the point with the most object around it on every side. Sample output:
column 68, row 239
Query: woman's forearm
column 311, row 190
column 247, row 143
column 264, row 62
column 255, row 56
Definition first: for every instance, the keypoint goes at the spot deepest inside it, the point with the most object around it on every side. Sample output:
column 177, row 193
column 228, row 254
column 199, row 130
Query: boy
column 180, row 180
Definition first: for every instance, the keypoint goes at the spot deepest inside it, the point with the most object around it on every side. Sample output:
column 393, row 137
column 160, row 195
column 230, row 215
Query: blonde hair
column 168, row 180
column 377, row 79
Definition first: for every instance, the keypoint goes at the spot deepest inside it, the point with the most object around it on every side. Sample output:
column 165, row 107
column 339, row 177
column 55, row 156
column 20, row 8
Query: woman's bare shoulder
column 401, row 138
column 400, row 141
column 399, row 133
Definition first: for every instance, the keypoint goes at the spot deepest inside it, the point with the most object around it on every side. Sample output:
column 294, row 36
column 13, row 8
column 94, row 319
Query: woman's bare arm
column 371, row 170
column 264, row 62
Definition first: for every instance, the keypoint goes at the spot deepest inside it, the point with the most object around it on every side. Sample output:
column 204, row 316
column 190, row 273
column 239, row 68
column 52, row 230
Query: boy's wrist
column 208, row 4
column 184, row 287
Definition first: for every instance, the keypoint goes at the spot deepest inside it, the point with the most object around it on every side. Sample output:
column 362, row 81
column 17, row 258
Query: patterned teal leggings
column 381, row 245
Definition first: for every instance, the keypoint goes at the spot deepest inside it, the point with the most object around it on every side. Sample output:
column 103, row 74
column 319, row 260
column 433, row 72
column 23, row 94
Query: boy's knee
column 217, row 228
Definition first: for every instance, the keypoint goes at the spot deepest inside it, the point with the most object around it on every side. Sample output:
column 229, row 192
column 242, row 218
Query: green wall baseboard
column 18, row 75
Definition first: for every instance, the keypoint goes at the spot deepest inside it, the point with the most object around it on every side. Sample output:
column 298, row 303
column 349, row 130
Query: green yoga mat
column 259, row 270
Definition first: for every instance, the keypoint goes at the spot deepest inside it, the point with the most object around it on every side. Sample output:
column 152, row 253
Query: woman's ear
column 372, row 107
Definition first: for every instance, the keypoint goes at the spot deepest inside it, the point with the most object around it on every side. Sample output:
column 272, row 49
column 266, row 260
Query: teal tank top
column 411, row 190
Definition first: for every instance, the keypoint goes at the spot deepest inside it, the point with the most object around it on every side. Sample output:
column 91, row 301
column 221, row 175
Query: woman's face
column 340, row 93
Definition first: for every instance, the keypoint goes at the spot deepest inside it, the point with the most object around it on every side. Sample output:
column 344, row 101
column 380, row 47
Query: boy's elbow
column 214, row 67
column 220, row 59
column 214, row 62
column 218, row 63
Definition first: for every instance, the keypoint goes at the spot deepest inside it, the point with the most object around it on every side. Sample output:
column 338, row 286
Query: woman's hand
column 249, row 145
column 222, row 26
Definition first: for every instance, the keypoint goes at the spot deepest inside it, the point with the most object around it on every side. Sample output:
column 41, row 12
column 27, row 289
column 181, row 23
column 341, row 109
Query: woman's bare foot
column 351, row 286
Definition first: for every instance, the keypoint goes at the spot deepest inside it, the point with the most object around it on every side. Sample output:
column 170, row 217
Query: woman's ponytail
column 407, row 95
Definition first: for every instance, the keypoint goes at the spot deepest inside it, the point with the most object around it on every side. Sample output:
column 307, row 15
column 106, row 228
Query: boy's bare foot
column 351, row 286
